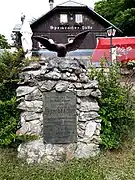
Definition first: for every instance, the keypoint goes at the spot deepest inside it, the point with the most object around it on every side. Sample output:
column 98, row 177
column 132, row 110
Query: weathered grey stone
column 59, row 152
column 80, row 139
column 88, row 104
column 67, row 64
column 76, row 118
column 75, row 65
column 52, row 63
column 24, row 76
column 54, row 150
column 31, row 128
column 32, row 151
column 70, row 149
column 97, row 132
column 86, row 140
column 48, row 159
column 68, row 74
column 41, row 118
column 20, row 99
column 43, row 69
column 86, row 150
column 96, row 139
column 56, row 70
column 82, row 93
column 71, row 87
column 99, row 126
column 77, row 112
column 47, row 85
column 78, row 106
column 96, row 94
column 33, row 66
column 34, row 73
column 78, row 71
column 64, row 76
column 81, row 63
column 85, row 71
column 22, row 119
column 61, row 86
column 83, row 77
column 93, row 139
column 98, row 120
column 35, row 95
column 42, row 62
column 49, row 148
column 87, row 116
column 35, row 106
column 80, row 132
column 78, row 100
column 23, row 90
column 30, row 81
column 82, row 125
column 73, row 77
column 30, row 116
column 90, row 129
column 53, row 75
column 91, row 84
column 78, row 85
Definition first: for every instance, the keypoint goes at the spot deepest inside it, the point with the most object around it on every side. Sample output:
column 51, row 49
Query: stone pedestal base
column 58, row 75
column 38, row 152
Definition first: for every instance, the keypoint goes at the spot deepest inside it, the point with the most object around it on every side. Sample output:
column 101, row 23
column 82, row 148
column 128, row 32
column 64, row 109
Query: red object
column 125, row 48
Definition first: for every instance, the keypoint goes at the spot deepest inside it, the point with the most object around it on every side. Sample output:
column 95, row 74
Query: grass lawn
column 109, row 165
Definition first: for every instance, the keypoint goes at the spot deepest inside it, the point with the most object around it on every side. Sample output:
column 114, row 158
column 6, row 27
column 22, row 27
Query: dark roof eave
column 40, row 18
column 77, row 4
column 91, row 10
column 102, row 18
column 54, row 9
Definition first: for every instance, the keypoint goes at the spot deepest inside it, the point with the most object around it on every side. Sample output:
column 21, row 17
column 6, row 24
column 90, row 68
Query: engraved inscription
column 59, row 124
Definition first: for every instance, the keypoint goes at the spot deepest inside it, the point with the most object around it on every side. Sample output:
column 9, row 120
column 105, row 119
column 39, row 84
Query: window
column 78, row 18
column 63, row 18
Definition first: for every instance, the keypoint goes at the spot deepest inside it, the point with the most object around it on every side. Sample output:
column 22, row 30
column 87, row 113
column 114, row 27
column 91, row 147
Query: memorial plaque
column 59, row 117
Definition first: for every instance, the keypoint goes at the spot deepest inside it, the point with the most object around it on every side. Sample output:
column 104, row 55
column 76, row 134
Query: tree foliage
column 121, row 13
column 3, row 42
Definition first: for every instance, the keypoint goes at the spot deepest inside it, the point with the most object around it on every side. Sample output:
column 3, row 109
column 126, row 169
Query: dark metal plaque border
column 59, row 117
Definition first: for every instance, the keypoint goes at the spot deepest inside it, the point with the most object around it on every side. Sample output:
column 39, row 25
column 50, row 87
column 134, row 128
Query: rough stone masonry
column 58, row 75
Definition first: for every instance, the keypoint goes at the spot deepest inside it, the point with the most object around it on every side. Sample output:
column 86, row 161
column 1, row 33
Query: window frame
column 78, row 18
column 63, row 18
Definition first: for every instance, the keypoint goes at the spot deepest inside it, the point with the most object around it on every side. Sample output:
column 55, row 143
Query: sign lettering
column 59, row 117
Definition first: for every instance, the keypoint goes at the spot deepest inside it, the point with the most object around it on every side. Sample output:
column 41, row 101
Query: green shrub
column 10, row 64
column 116, row 105
column 8, row 121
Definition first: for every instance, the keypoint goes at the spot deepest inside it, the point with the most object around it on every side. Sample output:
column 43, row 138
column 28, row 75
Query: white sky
column 10, row 11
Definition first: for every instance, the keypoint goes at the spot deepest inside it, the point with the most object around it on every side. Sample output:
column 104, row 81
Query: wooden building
column 66, row 20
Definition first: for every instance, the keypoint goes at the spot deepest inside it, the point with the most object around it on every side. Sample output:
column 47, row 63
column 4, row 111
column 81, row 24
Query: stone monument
column 58, row 104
